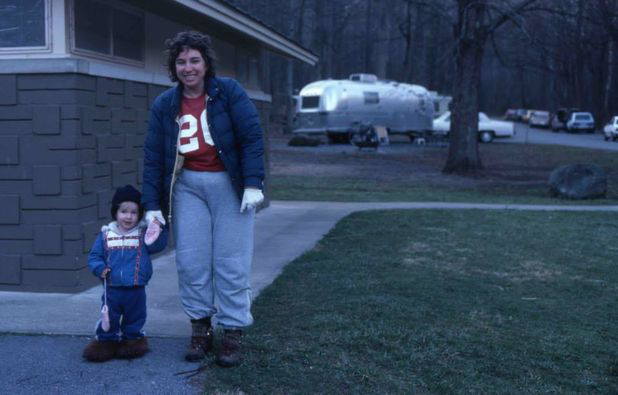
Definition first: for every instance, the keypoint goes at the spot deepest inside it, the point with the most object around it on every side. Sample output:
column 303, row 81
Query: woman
column 204, row 169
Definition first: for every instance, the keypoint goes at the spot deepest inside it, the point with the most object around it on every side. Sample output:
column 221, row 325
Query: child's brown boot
column 132, row 348
column 100, row 351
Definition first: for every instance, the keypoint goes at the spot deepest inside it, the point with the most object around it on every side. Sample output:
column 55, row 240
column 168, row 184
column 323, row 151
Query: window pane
column 371, row 97
column 128, row 33
column 92, row 29
column 242, row 66
column 253, row 80
column 310, row 102
column 22, row 23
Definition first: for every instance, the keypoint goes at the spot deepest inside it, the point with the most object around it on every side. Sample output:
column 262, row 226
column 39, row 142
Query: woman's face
column 191, row 69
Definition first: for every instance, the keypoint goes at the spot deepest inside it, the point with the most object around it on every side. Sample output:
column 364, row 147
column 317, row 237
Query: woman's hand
column 251, row 198
column 154, row 214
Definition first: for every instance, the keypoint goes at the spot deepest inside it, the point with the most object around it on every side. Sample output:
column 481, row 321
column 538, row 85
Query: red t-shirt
column 194, row 141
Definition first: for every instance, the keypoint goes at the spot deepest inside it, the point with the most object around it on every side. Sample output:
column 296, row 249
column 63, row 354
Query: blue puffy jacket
column 125, row 254
column 234, row 125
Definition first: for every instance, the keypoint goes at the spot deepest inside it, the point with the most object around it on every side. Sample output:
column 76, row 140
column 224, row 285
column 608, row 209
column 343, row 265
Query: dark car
column 560, row 117
column 511, row 115
column 520, row 114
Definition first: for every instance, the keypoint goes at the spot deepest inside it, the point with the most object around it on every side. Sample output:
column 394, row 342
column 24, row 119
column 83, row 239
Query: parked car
column 511, row 115
column 560, row 117
column 580, row 121
column 521, row 113
column 540, row 119
column 610, row 130
column 488, row 128
column 526, row 116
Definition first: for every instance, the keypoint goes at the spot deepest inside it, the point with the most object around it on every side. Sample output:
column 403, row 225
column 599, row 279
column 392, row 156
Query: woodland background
column 548, row 54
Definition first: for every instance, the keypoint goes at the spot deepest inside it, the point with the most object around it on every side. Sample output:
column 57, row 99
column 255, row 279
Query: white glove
column 152, row 214
column 251, row 198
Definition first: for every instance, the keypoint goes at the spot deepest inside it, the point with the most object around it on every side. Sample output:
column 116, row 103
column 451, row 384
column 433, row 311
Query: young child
column 121, row 256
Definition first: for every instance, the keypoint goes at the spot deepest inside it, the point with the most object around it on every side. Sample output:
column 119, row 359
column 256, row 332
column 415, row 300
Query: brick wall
column 66, row 142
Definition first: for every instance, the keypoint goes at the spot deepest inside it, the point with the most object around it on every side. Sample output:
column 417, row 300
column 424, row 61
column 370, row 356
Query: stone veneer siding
column 67, row 141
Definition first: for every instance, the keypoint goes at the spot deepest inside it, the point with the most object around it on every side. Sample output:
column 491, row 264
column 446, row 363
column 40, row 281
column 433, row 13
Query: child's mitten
column 152, row 232
column 104, row 309
column 105, row 318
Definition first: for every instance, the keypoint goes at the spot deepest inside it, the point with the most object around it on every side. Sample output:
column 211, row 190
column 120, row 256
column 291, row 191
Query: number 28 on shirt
column 190, row 127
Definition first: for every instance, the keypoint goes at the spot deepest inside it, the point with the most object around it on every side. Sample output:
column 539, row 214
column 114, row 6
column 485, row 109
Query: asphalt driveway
column 525, row 134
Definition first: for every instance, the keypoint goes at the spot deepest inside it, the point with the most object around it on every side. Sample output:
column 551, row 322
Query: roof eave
column 232, row 18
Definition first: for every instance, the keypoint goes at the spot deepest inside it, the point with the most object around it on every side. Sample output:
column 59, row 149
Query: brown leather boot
column 132, row 348
column 100, row 351
column 229, row 355
column 201, row 340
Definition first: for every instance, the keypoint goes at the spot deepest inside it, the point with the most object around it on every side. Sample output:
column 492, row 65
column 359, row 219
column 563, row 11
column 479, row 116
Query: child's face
column 127, row 215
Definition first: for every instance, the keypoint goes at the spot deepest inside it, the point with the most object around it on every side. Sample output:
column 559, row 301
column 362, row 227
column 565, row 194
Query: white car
column 540, row 119
column 488, row 128
column 610, row 131
column 580, row 121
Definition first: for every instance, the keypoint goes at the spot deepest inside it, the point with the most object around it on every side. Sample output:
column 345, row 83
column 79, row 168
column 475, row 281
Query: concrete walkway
column 283, row 232
column 44, row 364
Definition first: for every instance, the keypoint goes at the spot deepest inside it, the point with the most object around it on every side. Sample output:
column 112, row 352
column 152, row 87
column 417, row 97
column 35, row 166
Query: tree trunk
column 521, row 83
column 382, row 47
column 579, row 58
column 432, row 63
column 368, row 38
column 407, row 35
column 607, row 91
column 416, row 71
column 463, row 154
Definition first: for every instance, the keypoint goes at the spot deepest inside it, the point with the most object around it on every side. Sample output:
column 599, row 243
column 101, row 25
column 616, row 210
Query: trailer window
column 422, row 104
column 310, row 102
column 371, row 97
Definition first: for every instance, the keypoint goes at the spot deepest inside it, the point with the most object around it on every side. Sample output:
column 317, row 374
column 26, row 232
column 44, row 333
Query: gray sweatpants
column 214, row 248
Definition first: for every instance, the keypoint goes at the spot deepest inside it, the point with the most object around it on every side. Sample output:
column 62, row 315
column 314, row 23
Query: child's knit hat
column 127, row 194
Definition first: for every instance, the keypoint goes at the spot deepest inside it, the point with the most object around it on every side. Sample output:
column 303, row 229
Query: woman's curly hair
column 193, row 40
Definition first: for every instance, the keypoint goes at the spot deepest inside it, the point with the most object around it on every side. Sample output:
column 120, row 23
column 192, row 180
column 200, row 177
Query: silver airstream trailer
column 337, row 107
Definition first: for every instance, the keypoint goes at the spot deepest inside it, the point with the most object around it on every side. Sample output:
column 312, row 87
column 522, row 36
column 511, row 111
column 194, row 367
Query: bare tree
column 607, row 13
column 533, row 53
column 476, row 21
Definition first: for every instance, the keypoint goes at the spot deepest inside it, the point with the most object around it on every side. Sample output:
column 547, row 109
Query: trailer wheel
column 336, row 138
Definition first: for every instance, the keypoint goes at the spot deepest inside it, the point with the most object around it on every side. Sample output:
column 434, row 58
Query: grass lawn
column 351, row 189
column 514, row 173
column 440, row 302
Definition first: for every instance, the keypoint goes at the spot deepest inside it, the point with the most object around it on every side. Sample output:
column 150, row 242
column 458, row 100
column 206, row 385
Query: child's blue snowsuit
column 129, row 259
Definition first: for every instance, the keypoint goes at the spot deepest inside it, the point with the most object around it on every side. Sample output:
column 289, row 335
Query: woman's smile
column 191, row 70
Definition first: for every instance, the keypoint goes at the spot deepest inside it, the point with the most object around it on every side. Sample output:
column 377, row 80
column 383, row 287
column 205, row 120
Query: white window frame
column 99, row 55
column 39, row 48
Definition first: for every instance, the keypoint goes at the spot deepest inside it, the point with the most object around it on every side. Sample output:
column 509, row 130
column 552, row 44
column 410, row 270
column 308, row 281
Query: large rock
column 579, row 181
